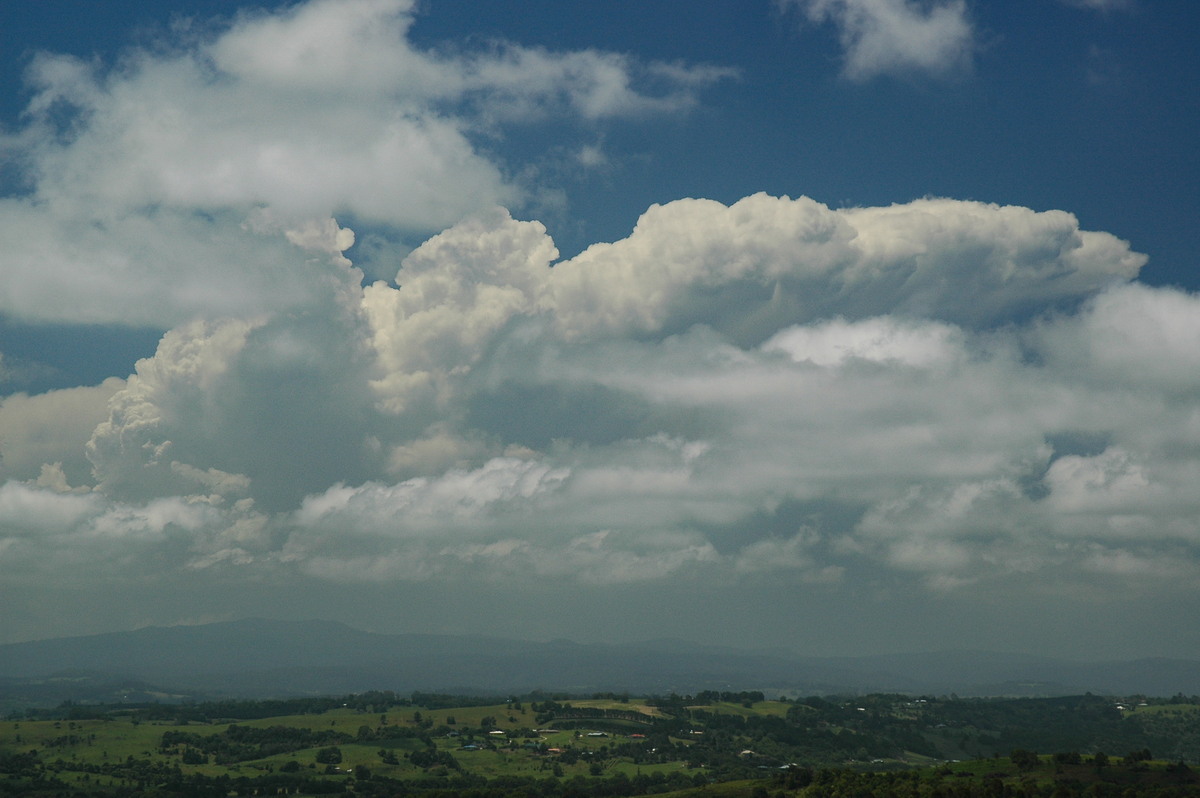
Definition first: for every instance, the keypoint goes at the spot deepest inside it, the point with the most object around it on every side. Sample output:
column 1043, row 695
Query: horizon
column 649, row 642
column 853, row 326
column 257, row 658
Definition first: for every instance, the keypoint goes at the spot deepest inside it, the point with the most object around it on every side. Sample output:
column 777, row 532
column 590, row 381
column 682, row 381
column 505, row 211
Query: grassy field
column 632, row 705
column 515, row 740
column 777, row 709
column 101, row 743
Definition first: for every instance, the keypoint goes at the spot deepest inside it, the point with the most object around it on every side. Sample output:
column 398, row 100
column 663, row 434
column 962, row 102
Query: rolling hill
column 268, row 658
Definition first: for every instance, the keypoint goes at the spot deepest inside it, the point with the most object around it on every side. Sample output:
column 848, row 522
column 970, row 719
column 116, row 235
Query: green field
column 88, row 752
column 874, row 745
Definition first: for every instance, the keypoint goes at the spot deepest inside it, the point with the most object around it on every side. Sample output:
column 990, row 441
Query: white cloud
column 972, row 262
column 500, row 519
column 879, row 340
column 456, row 500
column 1109, row 340
column 152, row 519
column 795, row 260
column 270, row 408
column 131, row 451
column 88, row 537
column 773, row 395
column 26, row 508
column 772, row 392
column 149, row 180
column 897, row 36
column 52, row 428
column 158, row 268
column 1106, row 482
column 457, row 291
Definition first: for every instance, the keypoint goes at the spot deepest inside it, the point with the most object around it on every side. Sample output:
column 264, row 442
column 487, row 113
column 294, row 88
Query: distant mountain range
column 256, row 658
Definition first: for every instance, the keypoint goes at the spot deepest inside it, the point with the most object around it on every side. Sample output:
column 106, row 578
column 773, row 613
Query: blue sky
column 841, row 315
column 1085, row 107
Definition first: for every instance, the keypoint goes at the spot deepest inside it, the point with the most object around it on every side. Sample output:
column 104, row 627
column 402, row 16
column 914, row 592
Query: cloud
column 897, row 36
column 14, row 372
column 1102, row 5
column 499, row 519
column 1109, row 339
column 52, row 428
column 89, row 538
column 182, row 180
column 457, row 292
column 794, row 260
column 132, row 450
column 947, row 397
column 25, row 509
column 272, row 408
column 879, row 340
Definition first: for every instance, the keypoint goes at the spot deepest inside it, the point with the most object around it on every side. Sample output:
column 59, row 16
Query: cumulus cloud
column 52, row 428
column 794, row 260
column 897, row 36
column 767, row 393
column 1109, row 339
column 770, row 397
column 880, row 340
column 131, row 451
column 147, row 182
column 272, row 408
column 27, row 509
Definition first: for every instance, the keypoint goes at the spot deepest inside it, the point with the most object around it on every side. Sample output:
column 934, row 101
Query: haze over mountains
column 256, row 658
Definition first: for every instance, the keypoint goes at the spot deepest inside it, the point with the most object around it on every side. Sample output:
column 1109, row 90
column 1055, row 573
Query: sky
column 840, row 326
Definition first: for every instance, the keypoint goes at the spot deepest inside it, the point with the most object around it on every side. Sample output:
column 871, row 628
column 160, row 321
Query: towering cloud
column 731, row 391
column 770, row 398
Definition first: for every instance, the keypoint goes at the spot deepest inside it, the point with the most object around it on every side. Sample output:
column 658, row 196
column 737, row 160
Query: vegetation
column 713, row 743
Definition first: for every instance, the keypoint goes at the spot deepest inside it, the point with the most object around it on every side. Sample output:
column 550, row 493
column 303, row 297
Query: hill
column 266, row 658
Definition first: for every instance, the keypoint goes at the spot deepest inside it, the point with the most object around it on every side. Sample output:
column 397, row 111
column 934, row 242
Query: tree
column 1024, row 760
column 1134, row 757
column 329, row 756
column 193, row 757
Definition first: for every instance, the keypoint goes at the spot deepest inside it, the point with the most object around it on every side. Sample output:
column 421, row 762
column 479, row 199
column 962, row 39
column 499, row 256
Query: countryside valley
column 712, row 743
